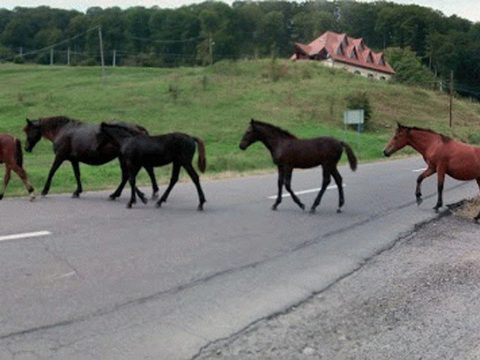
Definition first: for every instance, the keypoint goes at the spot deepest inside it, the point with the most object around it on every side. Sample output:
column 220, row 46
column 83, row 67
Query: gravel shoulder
column 417, row 300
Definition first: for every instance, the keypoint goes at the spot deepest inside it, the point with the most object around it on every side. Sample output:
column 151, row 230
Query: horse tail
column 351, row 156
column 202, row 159
column 18, row 153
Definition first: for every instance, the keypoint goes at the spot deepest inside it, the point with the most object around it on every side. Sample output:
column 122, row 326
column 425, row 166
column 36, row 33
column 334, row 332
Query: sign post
column 354, row 117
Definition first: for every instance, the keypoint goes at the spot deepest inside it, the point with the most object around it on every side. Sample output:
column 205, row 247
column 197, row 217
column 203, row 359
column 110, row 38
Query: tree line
column 212, row 31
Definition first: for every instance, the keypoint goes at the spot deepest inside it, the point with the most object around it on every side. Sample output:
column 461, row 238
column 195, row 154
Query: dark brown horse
column 289, row 152
column 79, row 142
column 442, row 154
column 12, row 156
column 152, row 151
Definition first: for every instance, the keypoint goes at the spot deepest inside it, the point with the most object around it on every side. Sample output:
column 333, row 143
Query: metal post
column 51, row 56
column 102, row 59
column 451, row 98
column 68, row 56
column 114, row 58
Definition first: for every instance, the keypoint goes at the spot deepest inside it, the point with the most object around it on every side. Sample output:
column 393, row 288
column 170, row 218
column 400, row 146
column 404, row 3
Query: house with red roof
column 341, row 51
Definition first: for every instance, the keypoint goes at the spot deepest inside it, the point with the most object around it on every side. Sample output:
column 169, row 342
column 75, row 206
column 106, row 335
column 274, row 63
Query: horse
column 79, row 142
column 443, row 155
column 137, row 150
column 12, row 156
column 289, row 152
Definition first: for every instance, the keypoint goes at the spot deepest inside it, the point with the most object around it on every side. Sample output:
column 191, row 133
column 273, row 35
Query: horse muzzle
column 386, row 153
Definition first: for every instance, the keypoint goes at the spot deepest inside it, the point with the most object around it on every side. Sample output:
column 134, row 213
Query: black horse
column 289, row 152
column 137, row 150
column 79, row 142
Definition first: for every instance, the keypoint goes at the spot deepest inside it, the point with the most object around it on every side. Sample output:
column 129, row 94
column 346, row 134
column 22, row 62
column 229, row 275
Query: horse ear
column 29, row 122
column 399, row 125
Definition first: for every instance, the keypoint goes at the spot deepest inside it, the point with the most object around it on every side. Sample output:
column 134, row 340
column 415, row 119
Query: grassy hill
column 215, row 104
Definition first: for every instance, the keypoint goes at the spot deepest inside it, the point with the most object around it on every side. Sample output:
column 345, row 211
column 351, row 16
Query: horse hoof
column 302, row 206
column 32, row 198
column 1, row 196
column 112, row 197
column 419, row 201
column 200, row 207
column 144, row 200
column 129, row 206
column 75, row 195
column 339, row 211
column 312, row 211
column 44, row 193
column 155, row 196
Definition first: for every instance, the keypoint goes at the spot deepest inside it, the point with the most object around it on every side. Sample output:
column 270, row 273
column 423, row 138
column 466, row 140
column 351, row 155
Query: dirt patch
column 468, row 209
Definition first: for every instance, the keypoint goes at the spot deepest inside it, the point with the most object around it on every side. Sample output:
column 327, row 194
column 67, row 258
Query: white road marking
column 286, row 194
column 58, row 277
column 419, row 170
column 24, row 235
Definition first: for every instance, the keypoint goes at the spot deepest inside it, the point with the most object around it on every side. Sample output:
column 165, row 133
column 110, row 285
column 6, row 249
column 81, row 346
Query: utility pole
column 114, row 58
column 102, row 59
column 451, row 97
column 68, row 56
column 210, row 48
column 51, row 56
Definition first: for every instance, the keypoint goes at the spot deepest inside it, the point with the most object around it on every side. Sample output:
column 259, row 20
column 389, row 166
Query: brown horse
column 289, row 152
column 12, row 156
column 442, row 154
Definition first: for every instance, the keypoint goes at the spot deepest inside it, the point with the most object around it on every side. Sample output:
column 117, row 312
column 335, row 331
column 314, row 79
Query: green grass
column 215, row 104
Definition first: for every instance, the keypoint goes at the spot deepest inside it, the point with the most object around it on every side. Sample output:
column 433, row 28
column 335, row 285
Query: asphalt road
column 104, row 282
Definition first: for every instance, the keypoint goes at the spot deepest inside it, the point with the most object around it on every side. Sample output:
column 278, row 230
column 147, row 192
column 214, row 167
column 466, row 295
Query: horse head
column 250, row 136
column 398, row 141
column 33, row 130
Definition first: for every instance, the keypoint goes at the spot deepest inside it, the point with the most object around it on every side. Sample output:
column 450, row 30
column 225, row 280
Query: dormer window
column 369, row 58
column 353, row 54
column 381, row 61
column 340, row 50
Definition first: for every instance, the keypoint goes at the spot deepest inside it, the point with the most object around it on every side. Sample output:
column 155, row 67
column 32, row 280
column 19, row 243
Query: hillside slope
column 216, row 104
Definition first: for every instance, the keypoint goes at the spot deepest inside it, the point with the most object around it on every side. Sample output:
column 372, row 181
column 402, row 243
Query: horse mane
column 120, row 125
column 277, row 129
column 444, row 138
column 54, row 122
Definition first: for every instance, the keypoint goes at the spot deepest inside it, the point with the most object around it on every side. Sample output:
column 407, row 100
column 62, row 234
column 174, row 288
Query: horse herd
column 96, row 144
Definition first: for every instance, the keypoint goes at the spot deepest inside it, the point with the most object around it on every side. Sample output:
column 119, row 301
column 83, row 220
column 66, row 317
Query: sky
column 469, row 9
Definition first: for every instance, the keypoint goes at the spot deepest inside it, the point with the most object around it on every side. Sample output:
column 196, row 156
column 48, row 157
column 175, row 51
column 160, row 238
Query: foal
column 289, row 152
column 12, row 156
column 137, row 150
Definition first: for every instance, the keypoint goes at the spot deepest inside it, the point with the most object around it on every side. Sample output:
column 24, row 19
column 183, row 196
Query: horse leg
column 56, row 164
column 153, row 179
column 288, row 181
column 132, row 177
column 325, row 183
column 196, row 180
column 6, row 180
column 173, row 181
column 338, row 180
column 22, row 174
column 76, row 171
column 418, row 192
column 440, row 182
column 124, row 180
column 280, row 186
